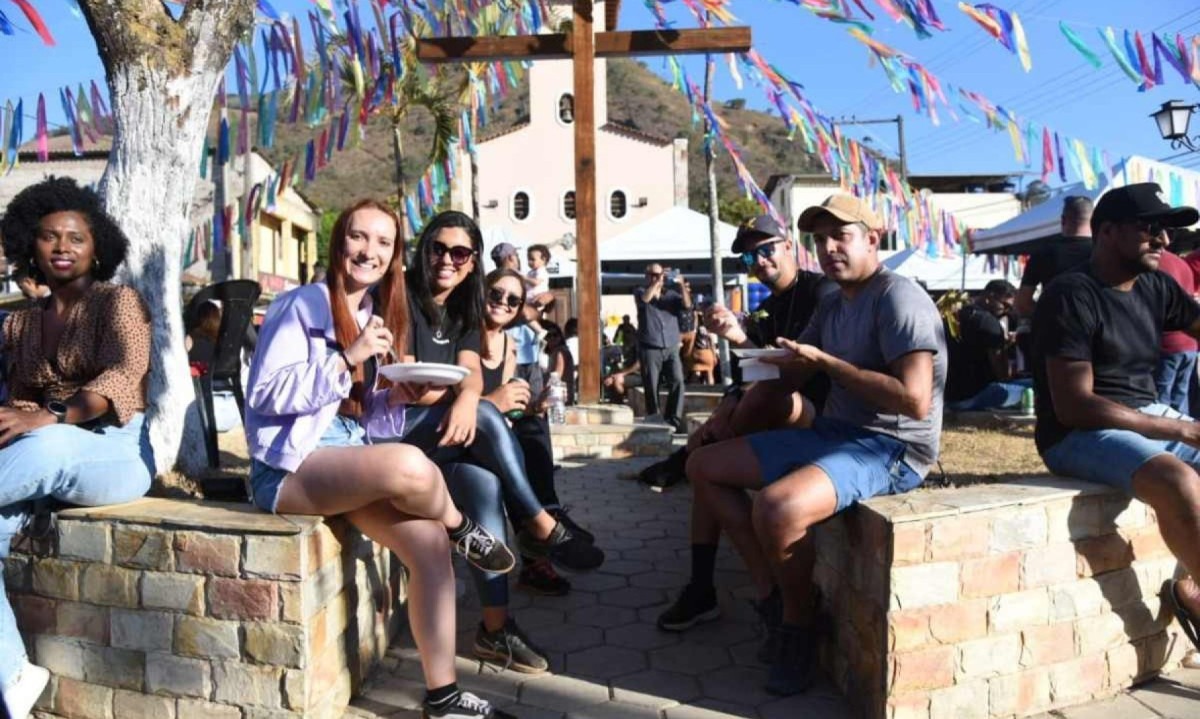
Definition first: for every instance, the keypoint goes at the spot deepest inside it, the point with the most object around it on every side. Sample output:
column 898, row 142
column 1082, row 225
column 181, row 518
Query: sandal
column 1188, row 622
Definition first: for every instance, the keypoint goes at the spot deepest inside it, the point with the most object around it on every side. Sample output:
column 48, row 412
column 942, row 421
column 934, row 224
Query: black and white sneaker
column 465, row 705
column 696, row 605
column 509, row 646
column 482, row 549
column 568, row 552
column 560, row 513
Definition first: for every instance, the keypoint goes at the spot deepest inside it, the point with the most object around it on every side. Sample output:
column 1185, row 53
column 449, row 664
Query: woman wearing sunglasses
column 516, row 399
column 468, row 438
column 310, row 398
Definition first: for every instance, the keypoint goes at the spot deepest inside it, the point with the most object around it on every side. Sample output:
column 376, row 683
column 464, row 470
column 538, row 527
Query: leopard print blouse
column 104, row 348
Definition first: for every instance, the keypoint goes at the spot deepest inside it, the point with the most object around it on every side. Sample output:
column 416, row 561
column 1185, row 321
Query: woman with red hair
column 312, row 397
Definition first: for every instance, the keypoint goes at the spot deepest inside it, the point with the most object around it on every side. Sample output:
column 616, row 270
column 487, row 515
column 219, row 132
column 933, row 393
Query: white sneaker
column 23, row 693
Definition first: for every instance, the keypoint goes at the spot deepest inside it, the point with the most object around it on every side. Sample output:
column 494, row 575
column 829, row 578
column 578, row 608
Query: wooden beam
column 611, row 9
column 587, row 258
column 622, row 43
column 626, row 43
column 484, row 49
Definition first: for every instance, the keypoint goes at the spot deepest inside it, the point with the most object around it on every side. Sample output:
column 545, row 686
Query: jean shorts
column 860, row 463
column 1113, row 456
column 266, row 480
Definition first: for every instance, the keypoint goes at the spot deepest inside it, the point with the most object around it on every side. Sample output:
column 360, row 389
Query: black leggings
column 495, row 449
column 533, row 434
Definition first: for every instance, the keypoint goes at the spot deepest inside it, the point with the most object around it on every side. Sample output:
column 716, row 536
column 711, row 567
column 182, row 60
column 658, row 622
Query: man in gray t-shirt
column 880, row 341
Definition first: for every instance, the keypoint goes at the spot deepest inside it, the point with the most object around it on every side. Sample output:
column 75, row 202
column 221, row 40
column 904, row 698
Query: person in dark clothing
column 660, row 305
column 769, row 254
column 1096, row 340
column 1060, row 254
column 980, row 375
column 770, row 257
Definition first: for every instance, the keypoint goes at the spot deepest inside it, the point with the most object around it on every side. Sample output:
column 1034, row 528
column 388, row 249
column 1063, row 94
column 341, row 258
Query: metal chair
column 237, row 298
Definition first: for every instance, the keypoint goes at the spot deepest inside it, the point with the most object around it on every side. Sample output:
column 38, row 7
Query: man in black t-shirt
column 770, row 256
column 1066, row 252
column 1096, row 336
column 980, row 376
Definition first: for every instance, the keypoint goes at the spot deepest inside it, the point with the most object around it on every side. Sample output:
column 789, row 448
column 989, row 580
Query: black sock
column 704, row 564
column 442, row 696
column 461, row 530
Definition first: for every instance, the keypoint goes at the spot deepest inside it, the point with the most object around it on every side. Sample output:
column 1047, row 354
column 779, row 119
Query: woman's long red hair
column 391, row 300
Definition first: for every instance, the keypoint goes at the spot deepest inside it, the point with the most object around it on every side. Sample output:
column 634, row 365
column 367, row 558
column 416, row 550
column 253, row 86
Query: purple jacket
column 296, row 381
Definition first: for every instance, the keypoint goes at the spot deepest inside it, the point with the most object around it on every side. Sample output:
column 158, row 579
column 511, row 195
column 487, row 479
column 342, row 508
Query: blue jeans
column 266, row 480
column 1113, row 456
column 73, row 465
column 860, row 463
column 996, row 395
column 1174, row 380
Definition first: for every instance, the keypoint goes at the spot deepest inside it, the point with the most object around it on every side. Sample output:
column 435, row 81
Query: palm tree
column 412, row 88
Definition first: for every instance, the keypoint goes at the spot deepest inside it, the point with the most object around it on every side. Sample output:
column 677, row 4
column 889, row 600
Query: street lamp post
column 1173, row 118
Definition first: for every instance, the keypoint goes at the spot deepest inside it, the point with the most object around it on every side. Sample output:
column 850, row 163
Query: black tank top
column 493, row 377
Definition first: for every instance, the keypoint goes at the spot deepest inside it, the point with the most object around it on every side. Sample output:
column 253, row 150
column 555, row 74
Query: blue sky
column 1100, row 107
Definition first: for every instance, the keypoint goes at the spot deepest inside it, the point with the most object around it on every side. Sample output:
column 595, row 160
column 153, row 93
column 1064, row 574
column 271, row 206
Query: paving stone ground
column 607, row 658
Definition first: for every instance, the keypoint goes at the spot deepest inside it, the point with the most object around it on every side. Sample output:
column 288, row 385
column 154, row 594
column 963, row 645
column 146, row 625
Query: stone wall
column 997, row 600
column 182, row 610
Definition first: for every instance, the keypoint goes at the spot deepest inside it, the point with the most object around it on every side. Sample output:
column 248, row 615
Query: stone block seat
column 607, row 431
column 994, row 600
column 185, row 609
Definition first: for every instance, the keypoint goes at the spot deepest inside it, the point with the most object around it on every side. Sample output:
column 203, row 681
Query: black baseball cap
column 1141, row 201
column 755, row 229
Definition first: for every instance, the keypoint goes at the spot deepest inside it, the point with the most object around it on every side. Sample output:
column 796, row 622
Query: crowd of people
column 432, row 471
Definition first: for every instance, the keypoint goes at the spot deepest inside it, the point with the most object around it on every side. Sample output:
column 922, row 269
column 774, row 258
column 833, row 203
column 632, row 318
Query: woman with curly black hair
column 72, row 428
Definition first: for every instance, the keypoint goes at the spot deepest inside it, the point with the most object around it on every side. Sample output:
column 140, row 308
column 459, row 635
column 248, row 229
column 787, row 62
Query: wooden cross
column 582, row 46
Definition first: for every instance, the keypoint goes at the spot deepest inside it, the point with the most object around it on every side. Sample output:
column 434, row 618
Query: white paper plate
column 438, row 375
column 756, row 353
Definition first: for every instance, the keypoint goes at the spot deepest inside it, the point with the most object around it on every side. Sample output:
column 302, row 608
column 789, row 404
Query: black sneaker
column 464, row 706
column 510, row 646
column 792, row 666
column 568, row 552
column 560, row 513
column 539, row 577
column 696, row 605
column 481, row 548
column 666, row 473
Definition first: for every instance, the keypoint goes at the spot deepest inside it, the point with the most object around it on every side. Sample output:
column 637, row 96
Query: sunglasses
column 1153, row 229
column 763, row 251
column 499, row 297
column 458, row 255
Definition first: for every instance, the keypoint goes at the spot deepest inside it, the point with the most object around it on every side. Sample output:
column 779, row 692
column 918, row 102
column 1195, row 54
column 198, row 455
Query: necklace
column 440, row 333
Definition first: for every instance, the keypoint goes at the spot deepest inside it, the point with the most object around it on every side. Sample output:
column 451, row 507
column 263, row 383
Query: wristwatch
column 58, row 409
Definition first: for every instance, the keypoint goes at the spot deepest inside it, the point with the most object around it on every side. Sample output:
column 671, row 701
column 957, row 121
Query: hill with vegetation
column 637, row 97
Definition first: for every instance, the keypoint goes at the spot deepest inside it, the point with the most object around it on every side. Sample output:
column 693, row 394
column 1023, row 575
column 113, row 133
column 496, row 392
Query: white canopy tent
column 678, row 233
column 947, row 273
column 1021, row 234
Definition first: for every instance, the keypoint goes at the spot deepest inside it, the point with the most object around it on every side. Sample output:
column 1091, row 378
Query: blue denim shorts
column 266, row 480
column 860, row 463
column 1113, row 456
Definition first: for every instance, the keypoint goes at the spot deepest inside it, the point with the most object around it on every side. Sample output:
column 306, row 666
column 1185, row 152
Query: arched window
column 520, row 205
column 569, row 205
column 617, row 204
column 566, row 108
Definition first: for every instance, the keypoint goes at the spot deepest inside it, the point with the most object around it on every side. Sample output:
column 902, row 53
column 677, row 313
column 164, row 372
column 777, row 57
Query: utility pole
column 899, row 122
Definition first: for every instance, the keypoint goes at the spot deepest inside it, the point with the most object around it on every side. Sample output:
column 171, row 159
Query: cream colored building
column 527, row 174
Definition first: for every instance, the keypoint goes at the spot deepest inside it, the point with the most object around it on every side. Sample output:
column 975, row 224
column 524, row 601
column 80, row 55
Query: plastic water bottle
column 557, row 399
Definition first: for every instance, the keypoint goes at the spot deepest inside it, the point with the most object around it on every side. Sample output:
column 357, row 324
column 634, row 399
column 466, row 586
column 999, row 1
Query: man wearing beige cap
column 880, row 340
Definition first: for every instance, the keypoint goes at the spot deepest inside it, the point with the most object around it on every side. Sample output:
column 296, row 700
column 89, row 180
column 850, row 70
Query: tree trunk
column 401, row 186
column 162, row 74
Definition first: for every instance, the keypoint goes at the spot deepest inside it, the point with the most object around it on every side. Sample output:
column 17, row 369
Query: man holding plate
column 880, row 341
column 768, row 254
